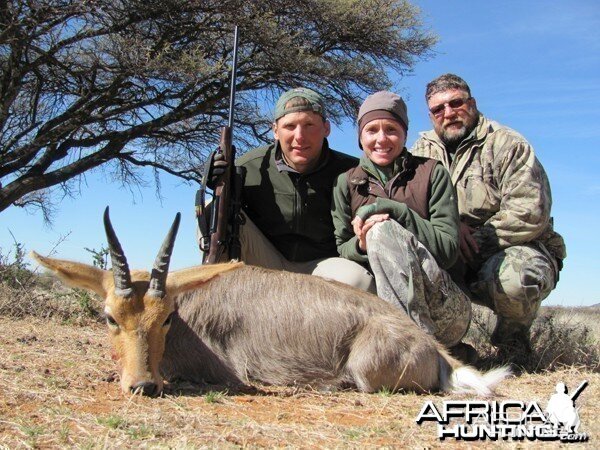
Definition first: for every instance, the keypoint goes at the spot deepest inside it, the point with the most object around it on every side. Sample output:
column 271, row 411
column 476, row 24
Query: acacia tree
column 129, row 83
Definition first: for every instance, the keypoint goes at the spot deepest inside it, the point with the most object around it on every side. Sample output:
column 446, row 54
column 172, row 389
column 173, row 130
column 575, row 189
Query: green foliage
column 99, row 257
column 32, row 432
column 132, row 84
column 87, row 302
column 354, row 433
column 215, row 396
column 65, row 433
column 385, row 392
column 57, row 383
column 14, row 270
column 140, row 432
column 113, row 422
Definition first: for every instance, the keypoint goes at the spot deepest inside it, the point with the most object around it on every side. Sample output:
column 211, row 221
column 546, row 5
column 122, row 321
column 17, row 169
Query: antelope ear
column 77, row 274
column 188, row 279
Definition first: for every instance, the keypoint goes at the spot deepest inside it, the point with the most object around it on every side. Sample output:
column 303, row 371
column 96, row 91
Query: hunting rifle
column 219, row 222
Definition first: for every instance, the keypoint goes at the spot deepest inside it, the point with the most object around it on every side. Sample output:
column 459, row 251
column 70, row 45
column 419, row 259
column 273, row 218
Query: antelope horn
column 123, row 286
column 158, row 278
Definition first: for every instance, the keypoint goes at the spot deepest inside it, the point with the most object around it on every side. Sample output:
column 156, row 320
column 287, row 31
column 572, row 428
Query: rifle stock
column 219, row 221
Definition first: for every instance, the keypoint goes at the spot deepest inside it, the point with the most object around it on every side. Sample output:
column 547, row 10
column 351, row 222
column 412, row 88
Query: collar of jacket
column 400, row 165
column 282, row 166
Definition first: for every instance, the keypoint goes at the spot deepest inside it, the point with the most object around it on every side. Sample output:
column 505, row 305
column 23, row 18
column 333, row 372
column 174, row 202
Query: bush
column 559, row 337
column 558, row 340
column 14, row 270
column 26, row 293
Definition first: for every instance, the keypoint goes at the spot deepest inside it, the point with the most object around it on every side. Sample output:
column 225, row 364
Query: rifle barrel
column 233, row 77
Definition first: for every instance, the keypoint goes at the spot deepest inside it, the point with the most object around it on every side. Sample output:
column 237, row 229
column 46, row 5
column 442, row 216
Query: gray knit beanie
column 382, row 105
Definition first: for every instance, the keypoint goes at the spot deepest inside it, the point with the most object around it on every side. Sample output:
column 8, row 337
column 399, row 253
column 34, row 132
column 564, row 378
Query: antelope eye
column 168, row 321
column 110, row 321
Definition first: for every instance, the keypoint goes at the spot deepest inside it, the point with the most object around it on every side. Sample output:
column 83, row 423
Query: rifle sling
column 201, row 215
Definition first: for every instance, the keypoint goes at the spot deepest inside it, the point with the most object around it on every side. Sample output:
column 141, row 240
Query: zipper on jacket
column 297, row 212
column 297, row 204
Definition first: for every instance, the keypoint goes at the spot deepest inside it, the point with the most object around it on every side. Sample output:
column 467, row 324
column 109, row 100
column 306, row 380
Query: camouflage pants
column 407, row 275
column 514, row 281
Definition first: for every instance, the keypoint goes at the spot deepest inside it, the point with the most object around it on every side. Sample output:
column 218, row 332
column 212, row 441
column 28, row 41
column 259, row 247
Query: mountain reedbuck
column 232, row 323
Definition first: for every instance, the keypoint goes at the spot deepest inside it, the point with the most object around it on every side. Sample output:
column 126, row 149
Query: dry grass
column 58, row 389
column 560, row 337
column 50, row 299
column 24, row 293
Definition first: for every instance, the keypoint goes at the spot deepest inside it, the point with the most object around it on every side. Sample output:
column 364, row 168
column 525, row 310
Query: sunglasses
column 438, row 110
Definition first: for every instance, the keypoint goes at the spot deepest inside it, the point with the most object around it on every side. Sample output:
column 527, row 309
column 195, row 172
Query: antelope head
column 138, row 305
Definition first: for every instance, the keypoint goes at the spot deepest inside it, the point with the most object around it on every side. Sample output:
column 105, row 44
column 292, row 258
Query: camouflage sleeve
column 418, row 149
column 525, row 202
column 429, row 149
column 341, row 213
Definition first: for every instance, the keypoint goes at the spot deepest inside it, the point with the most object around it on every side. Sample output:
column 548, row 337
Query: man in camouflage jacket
column 510, row 256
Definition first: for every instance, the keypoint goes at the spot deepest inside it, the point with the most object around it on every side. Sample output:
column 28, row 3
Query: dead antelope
column 233, row 323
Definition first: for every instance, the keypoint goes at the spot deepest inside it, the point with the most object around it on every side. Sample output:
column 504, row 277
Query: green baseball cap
column 315, row 102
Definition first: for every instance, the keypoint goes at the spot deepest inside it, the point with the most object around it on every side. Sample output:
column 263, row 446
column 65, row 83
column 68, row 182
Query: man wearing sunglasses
column 510, row 255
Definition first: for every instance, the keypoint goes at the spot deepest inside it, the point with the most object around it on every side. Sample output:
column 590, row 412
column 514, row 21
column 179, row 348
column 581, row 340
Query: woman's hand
column 361, row 227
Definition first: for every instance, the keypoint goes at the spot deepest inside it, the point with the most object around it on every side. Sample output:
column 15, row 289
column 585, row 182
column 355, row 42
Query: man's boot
column 513, row 343
column 465, row 353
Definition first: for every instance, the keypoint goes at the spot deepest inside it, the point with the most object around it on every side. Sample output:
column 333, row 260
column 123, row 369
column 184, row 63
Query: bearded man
column 510, row 255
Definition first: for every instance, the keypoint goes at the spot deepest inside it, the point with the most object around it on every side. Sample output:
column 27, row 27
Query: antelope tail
column 460, row 379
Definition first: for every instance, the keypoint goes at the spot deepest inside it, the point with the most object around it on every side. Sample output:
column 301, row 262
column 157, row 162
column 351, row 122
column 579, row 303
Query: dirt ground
column 58, row 389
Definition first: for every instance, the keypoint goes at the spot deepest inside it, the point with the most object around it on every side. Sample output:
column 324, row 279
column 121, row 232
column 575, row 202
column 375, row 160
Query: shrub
column 24, row 292
column 559, row 337
column 14, row 270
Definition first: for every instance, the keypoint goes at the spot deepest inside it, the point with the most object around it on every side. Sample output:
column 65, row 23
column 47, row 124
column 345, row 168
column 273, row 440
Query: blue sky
column 531, row 65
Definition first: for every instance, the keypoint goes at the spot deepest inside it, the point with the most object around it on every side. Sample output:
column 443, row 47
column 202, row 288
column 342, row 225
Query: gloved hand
column 216, row 170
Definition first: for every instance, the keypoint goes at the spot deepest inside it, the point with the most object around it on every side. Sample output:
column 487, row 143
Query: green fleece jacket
column 439, row 234
column 293, row 210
